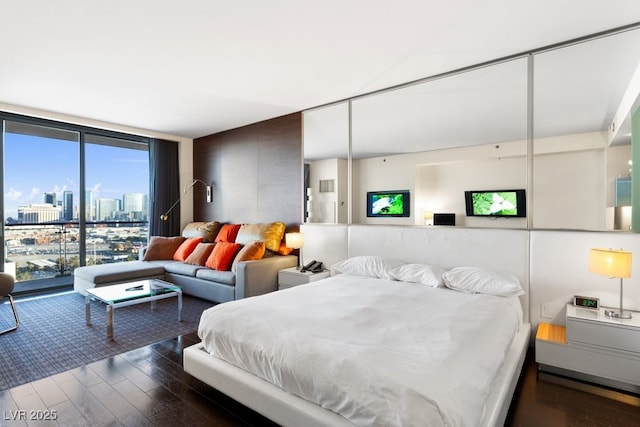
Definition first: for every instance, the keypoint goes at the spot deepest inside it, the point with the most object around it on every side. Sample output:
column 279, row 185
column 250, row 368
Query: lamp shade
column 427, row 214
column 610, row 263
column 294, row 240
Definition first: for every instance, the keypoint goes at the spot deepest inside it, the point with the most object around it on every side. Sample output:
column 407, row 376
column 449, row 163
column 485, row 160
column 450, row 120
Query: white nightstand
column 290, row 277
column 593, row 348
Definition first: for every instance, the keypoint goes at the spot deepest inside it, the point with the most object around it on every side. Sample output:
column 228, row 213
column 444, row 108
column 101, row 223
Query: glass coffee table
column 131, row 293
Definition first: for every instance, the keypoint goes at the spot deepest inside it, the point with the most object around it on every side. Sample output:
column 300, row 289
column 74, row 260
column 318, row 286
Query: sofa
column 209, row 260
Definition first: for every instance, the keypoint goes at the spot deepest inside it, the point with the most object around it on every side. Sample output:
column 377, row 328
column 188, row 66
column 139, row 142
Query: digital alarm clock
column 586, row 302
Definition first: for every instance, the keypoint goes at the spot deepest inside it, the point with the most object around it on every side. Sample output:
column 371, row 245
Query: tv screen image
column 496, row 203
column 388, row 203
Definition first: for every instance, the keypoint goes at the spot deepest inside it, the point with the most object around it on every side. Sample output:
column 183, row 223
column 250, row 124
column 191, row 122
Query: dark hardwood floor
column 142, row 387
column 549, row 400
column 147, row 387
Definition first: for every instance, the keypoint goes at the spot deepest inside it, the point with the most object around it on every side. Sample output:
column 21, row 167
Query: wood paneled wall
column 255, row 170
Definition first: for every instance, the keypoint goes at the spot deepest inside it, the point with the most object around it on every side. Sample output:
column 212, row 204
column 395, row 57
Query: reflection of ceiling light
column 630, row 162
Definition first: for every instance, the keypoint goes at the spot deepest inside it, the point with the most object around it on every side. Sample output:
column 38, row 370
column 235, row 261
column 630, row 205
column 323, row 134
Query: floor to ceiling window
column 116, row 198
column 72, row 196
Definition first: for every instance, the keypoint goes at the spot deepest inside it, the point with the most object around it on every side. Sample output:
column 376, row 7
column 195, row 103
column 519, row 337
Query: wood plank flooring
column 143, row 387
column 561, row 402
column 147, row 387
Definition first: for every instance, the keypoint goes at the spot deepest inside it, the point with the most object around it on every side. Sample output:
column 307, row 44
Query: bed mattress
column 375, row 351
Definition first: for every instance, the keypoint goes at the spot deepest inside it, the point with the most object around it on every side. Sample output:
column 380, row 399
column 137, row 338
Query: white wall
column 438, row 179
column 564, row 196
column 443, row 187
column 559, row 269
column 325, row 242
column 573, row 178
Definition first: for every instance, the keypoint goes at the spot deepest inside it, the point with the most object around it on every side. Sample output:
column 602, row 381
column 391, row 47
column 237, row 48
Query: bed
column 371, row 346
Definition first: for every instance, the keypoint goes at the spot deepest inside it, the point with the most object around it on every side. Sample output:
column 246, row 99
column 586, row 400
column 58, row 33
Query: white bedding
column 378, row 352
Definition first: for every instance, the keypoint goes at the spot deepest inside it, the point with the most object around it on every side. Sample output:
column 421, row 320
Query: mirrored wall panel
column 583, row 94
column 439, row 139
column 326, row 152
column 491, row 146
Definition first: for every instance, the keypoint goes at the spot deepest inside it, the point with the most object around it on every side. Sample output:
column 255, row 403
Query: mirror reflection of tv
column 496, row 203
column 388, row 203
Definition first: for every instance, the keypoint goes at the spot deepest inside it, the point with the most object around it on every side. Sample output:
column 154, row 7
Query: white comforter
column 378, row 352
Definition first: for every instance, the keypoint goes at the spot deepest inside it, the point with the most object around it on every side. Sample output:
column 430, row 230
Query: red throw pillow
column 228, row 233
column 222, row 256
column 161, row 248
column 185, row 249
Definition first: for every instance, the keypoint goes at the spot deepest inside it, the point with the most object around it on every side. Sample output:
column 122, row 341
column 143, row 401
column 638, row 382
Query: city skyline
column 131, row 206
column 35, row 166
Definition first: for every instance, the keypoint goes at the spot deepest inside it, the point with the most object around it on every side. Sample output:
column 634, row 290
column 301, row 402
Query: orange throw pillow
column 186, row 248
column 284, row 249
column 161, row 248
column 251, row 251
column 222, row 256
column 228, row 233
column 200, row 254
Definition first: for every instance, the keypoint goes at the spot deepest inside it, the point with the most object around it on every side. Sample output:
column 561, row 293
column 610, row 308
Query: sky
column 35, row 165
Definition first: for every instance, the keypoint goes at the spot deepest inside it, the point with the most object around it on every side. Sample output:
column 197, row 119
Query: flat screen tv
column 496, row 203
column 388, row 203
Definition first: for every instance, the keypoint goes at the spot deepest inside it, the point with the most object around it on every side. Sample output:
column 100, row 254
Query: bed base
column 499, row 401
column 263, row 397
column 289, row 410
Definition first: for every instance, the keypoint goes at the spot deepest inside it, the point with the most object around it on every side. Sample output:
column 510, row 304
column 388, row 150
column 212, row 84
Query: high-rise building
column 107, row 209
column 50, row 198
column 89, row 206
column 134, row 206
column 132, row 202
column 38, row 213
column 67, row 205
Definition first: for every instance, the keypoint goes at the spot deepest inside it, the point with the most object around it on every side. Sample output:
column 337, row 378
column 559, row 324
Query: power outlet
column 545, row 311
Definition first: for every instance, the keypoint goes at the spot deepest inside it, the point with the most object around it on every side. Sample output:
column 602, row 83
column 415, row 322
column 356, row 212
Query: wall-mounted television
column 496, row 203
column 388, row 203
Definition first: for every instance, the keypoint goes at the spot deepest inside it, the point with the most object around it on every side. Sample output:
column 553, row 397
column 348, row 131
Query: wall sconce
column 613, row 264
column 187, row 188
column 295, row 241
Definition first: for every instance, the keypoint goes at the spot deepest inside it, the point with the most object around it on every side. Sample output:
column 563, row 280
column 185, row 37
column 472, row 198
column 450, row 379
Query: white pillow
column 368, row 266
column 429, row 275
column 477, row 280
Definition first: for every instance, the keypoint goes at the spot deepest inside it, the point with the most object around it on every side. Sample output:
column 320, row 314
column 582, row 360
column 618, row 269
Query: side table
column 290, row 277
column 592, row 347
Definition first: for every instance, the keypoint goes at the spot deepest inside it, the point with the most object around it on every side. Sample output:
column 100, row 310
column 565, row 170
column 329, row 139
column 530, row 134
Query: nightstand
column 592, row 347
column 290, row 277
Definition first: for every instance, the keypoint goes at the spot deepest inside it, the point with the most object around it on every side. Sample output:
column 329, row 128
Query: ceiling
column 194, row 68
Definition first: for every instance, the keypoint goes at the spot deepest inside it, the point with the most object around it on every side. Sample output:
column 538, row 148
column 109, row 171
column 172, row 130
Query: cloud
column 35, row 193
column 96, row 188
column 13, row 195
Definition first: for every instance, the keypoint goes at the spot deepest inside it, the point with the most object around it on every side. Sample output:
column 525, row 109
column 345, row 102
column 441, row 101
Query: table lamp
column 428, row 217
column 295, row 241
column 612, row 263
